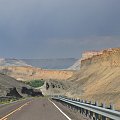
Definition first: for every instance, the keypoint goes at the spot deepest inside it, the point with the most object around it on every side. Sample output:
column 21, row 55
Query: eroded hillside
column 31, row 73
column 10, row 87
column 98, row 78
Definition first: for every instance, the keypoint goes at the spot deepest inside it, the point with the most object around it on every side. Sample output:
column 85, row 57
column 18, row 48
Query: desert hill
column 98, row 78
column 24, row 73
column 13, row 88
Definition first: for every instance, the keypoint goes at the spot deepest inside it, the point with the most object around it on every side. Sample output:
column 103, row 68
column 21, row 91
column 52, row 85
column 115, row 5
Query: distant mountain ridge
column 60, row 63
column 12, row 62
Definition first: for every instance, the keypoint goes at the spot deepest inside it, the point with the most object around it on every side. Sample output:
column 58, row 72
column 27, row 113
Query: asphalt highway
column 32, row 109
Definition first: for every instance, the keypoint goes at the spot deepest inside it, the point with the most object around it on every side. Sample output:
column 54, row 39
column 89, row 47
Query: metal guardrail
column 98, row 113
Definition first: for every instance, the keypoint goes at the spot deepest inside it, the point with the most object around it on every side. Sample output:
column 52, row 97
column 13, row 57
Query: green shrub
column 35, row 83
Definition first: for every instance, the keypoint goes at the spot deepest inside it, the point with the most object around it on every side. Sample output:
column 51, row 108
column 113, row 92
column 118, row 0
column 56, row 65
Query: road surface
column 32, row 109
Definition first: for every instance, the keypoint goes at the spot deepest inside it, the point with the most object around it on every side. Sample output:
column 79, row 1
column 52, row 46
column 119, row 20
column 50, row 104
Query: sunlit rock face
column 108, row 58
column 31, row 73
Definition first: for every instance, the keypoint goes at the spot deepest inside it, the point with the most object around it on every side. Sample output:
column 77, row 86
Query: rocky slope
column 32, row 73
column 12, row 88
column 98, row 78
column 54, row 87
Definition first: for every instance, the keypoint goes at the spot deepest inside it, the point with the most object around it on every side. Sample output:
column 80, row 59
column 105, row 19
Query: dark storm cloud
column 57, row 28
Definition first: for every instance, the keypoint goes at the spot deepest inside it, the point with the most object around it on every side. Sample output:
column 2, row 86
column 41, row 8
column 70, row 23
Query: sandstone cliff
column 85, row 55
column 106, row 58
column 31, row 73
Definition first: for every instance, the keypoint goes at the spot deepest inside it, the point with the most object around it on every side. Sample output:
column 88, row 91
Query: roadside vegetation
column 35, row 83
column 7, row 100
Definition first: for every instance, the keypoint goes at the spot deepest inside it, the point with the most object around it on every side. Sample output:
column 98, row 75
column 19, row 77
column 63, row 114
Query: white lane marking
column 60, row 110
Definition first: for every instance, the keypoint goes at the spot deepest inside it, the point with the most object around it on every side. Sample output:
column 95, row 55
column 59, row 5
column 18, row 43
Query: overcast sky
column 57, row 28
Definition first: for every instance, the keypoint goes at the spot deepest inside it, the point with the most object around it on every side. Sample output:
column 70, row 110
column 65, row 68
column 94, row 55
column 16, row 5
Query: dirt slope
column 98, row 78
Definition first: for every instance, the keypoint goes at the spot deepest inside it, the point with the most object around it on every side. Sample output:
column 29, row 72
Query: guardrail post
column 103, row 118
column 112, row 107
column 90, row 102
column 103, row 105
column 96, row 103
column 80, row 110
column 96, row 116
column 86, row 101
column 86, row 113
column 72, row 107
column 83, row 110
column 77, row 109
column 91, row 115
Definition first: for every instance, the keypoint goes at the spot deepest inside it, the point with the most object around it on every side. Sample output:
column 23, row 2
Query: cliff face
column 31, row 73
column 85, row 57
column 98, row 78
column 106, row 58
